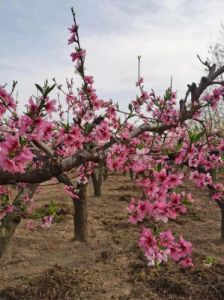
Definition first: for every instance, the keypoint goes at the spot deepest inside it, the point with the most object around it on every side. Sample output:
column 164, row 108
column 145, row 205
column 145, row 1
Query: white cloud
column 168, row 34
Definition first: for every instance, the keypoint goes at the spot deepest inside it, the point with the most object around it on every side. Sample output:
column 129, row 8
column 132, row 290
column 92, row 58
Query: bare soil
column 42, row 264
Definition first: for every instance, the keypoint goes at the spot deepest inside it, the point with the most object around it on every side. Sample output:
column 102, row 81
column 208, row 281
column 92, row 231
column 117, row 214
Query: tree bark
column 97, row 183
column 105, row 172
column 80, row 215
column 222, row 223
column 221, row 206
column 11, row 221
column 220, row 203
column 80, row 211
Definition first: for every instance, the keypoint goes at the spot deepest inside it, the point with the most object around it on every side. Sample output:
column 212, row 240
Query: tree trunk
column 220, row 203
column 222, row 221
column 11, row 221
column 131, row 174
column 80, row 212
column 221, row 206
column 222, row 224
column 97, row 183
column 80, row 215
column 105, row 172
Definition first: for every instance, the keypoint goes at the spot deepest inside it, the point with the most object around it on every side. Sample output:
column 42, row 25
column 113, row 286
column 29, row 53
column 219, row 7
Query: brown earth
column 42, row 264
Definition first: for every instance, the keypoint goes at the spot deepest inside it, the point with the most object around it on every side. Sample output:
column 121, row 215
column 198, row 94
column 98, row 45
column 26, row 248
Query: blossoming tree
column 171, row 144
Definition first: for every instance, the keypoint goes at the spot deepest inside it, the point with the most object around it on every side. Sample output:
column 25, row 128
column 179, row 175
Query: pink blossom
column 25, row 124
column 160, row 211
column 102, row 132
column 72, row 39
column 88, row 79
column 161, row 176
column 201, row 179
column 14, row 157
column 174, row 180
column 70, row 191
column 217, row 196
column 139, row 82
column 32, row 106
column 9, row 208
column 8, row 100
column 186, row 263
column 142, row 208
column 78, row 55
column 185, row 246
column 175, row 252
column 50, row 106
column 147, row 239
column 73, row 28
column 46, row 221
column 152, row 190
column 166, row 238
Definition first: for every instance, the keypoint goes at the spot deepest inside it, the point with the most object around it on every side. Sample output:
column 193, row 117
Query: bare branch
column 205, row 63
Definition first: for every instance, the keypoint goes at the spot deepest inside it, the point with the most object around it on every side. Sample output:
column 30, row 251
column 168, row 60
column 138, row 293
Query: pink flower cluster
column 102, row 133
column 7, row 101
column 157, row 249
column 159, row 210
column 214, row 97
column 201, row 179
column 14, row 157
column 78, row 55
column 117, row 157
column 70, row 141
column 74, row 31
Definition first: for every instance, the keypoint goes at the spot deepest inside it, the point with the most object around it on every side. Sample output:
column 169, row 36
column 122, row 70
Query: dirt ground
column 42, row 264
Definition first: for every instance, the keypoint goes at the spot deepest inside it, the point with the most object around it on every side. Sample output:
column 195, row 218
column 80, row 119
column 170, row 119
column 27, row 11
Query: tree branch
column 48, row 170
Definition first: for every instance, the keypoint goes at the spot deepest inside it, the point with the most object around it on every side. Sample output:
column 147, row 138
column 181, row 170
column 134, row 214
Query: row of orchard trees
column 172, row 144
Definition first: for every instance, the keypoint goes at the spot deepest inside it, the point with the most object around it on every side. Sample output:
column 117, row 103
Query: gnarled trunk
column 12, row 220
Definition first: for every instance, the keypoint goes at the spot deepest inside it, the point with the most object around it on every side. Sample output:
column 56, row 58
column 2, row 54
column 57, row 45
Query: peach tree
column 171, row 144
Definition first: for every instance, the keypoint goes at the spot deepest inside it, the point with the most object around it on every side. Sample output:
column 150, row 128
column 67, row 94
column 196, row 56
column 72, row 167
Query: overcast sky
column 167, row 33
